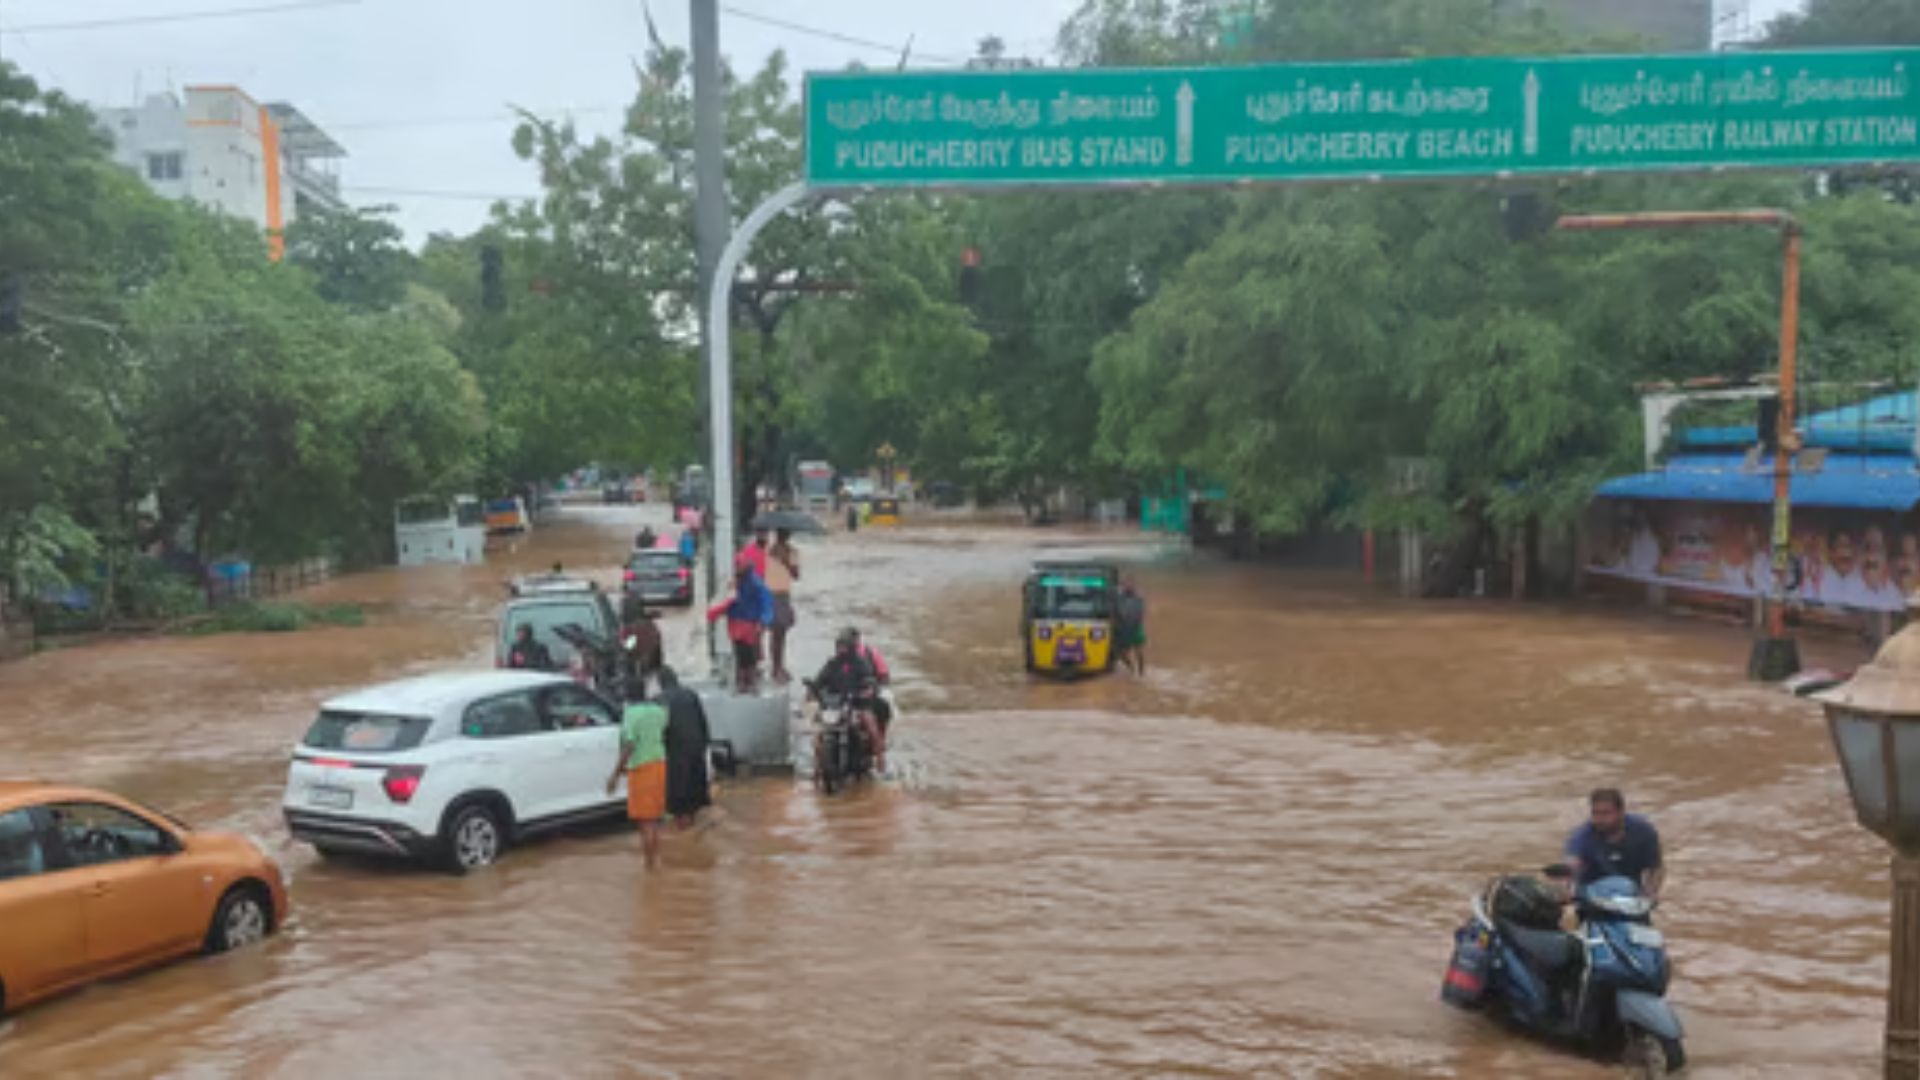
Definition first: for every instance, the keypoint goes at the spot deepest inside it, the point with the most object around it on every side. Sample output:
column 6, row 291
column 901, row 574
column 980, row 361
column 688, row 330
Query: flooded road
column 1248, row 863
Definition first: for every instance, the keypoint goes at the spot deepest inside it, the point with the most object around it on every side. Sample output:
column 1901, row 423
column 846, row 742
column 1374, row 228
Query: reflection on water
column 1247, row 863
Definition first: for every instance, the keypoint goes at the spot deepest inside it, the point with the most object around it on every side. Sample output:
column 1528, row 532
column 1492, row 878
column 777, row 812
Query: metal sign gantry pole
column 720, row 386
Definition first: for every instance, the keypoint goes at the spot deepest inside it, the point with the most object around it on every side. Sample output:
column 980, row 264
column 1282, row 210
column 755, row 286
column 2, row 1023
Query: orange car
column 93, row 886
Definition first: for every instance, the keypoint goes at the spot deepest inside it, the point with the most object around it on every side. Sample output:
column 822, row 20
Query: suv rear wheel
column 473, row 839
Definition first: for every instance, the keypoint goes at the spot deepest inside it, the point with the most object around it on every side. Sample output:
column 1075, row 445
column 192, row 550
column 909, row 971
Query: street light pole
column 1775, row 655
column 710, row 225
column 1874, row 719
column 1903, row 990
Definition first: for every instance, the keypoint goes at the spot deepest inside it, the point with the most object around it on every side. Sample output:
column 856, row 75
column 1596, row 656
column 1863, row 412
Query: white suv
column 452, row 768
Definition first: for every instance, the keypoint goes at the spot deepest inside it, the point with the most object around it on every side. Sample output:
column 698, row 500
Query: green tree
column 358, row 257
column 622, row 209
column 1827, row 23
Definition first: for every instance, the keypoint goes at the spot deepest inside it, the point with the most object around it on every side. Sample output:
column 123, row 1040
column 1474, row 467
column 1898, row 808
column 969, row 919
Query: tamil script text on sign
column 1394, row 118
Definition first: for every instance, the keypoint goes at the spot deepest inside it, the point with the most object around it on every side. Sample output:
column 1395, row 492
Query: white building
column 218, row 147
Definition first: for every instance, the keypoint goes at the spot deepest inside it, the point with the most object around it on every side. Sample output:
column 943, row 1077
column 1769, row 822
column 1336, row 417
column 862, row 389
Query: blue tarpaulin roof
column 1852, row 481
column 1886, row 422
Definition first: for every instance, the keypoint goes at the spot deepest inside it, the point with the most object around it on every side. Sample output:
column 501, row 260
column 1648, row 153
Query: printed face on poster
column 1839, row 559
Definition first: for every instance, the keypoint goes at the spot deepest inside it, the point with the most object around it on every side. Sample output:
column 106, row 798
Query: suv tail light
column 685, row 573
column 402, row 781
column 627, row 576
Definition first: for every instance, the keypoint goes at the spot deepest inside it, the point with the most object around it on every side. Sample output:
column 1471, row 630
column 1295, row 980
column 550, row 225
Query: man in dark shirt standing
column 529, row 653
column 1614, row 843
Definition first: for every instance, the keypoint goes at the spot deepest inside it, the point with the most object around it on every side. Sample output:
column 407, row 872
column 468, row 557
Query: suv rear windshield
column 543, row 617
column 655, row 562
column 366, row 733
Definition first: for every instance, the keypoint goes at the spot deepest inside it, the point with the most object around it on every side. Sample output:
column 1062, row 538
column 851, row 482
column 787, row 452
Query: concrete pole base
column 1773, row 659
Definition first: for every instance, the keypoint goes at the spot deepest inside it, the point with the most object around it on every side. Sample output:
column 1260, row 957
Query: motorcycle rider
column 882, row 708
column 848, row 675
column 1614, row 843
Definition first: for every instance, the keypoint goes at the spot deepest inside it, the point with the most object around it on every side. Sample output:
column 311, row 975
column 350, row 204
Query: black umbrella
column 789, row 519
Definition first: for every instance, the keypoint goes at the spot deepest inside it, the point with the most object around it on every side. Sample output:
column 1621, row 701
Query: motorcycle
column 843, row 753
column 1601, row 987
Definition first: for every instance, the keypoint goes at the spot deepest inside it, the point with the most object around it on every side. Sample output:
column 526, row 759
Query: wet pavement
column 1248, row 863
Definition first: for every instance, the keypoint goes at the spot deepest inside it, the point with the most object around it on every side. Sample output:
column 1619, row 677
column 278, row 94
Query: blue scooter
column 1602, row 987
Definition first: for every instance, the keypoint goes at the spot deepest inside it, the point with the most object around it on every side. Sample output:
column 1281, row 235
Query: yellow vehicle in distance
column 884, row 510
column 1067, row 617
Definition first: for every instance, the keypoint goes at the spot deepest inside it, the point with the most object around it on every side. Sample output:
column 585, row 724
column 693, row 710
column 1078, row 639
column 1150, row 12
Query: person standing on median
column 643, row 759
column 783, row 569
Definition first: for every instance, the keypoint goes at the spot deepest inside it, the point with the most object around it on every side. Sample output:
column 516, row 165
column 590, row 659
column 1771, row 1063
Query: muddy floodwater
column 1248, row 863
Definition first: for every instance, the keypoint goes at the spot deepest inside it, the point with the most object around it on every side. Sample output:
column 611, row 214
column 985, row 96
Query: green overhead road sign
column 1411, row 118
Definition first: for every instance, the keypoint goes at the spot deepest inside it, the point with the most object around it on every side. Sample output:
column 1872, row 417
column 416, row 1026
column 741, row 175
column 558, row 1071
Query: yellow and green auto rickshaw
column 884, row 510
column 1067, row 617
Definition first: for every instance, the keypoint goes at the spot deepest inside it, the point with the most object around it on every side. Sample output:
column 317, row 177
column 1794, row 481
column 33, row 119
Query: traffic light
column 12, row 299
column 1524, row 215
column 493, row 293
column 1767, row 423
column 970, row 276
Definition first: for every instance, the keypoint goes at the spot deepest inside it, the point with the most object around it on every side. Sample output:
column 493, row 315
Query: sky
column 416, row 90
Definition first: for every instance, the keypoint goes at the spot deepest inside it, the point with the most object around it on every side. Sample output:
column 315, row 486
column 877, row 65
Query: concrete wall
column 154, row 128
column 226, row 157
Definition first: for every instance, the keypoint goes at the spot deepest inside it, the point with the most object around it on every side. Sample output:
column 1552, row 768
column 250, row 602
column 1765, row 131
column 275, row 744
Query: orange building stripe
column 276, row 221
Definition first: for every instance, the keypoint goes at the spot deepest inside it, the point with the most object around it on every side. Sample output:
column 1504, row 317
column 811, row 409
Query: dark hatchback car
column 659, row 576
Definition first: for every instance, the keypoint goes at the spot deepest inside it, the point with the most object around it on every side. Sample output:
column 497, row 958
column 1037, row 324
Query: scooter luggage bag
column 1466, row 980
column 1527, row 902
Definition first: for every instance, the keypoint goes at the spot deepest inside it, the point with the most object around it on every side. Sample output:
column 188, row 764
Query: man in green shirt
column 643, row 759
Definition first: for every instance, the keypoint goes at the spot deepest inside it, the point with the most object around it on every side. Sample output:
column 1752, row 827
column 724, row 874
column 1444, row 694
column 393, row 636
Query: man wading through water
column 1614, row 843
column 643, row 760
column 1130, row 628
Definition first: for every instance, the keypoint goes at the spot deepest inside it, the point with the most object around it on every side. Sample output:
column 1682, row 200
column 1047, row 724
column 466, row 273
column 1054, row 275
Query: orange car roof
column 16, row 793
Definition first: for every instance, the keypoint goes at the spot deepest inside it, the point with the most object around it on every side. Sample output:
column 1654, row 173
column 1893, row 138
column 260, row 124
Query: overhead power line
column 428, row 193
column 177, row 16
column 475, row 120
column 890, row 49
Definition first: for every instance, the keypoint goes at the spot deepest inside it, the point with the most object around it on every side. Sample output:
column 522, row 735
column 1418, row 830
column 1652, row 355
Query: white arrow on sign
column 1531, row 139
column 1183, row 152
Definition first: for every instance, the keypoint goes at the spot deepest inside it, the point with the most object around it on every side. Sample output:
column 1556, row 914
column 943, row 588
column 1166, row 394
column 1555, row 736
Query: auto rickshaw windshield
column 1064, row 597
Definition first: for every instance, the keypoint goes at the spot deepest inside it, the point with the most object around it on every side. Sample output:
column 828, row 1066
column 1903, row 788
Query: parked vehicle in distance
column 453, row 768
column 692, row 490
column 433, row 530
column 547, row 602
column 93, row 886
column 945, row 495
column 659, row 576
column 616, row 493
column 814, row 487
column 508, row 516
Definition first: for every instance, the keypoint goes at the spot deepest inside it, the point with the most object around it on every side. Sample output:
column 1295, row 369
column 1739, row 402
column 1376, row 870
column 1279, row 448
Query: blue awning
column 1884, row 423
column 1848, row 481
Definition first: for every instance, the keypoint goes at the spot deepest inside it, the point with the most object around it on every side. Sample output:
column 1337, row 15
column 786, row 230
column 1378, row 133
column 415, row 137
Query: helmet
column 848, row 639
column 852, row 633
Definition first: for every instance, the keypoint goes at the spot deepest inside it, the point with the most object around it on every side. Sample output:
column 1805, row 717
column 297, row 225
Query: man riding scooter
column 848, row 676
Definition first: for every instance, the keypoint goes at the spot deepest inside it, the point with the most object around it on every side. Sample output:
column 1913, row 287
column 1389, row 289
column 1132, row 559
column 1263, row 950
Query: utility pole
column 710, row 235
column 1775, row 654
